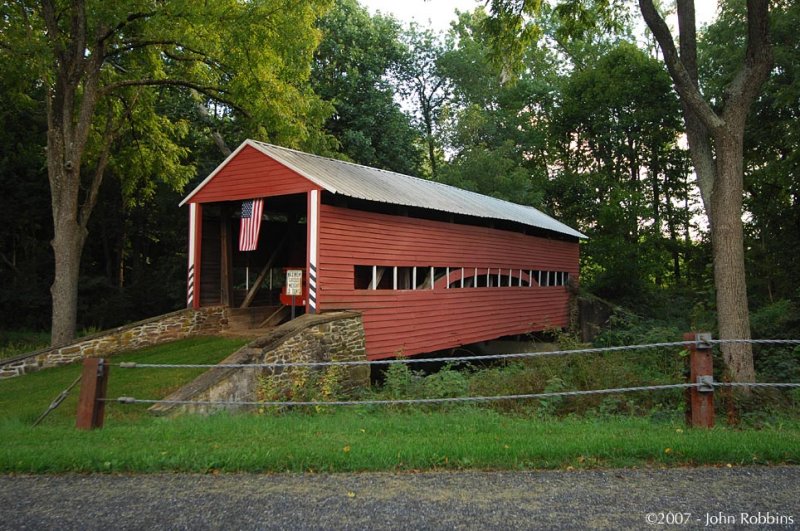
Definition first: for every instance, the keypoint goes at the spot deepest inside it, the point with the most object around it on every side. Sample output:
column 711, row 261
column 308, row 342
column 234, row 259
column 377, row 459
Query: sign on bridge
column 294, row 282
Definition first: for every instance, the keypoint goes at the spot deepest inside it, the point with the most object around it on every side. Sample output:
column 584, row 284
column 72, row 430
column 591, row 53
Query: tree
column 716, row 145
column 587, row 130
column 353, row 65
column 496, row 132
column 772, row 145
column 424, row 83
column 617, row 127
column 104, row 67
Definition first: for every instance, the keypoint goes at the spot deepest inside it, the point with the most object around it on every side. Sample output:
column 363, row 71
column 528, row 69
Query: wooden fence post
column 701, row 370
column 91, row 402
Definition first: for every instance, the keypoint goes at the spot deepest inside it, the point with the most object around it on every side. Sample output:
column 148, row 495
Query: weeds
column 14, row 343
column 304, row 384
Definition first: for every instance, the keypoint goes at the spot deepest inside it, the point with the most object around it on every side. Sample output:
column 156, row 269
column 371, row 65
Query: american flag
column 251, row 223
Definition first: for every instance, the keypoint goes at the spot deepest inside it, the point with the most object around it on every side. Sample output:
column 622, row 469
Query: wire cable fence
column 785, row 385
column 452, row 359
column 401, row 360
column 701, row 342
column 401, row 401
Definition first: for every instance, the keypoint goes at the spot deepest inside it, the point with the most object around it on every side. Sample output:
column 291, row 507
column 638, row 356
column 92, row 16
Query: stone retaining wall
column 335, row 336
column 594, row 314
column 169, row 327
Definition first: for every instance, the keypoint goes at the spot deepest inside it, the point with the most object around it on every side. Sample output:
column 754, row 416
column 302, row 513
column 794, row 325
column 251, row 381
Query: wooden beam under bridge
column 251, row 295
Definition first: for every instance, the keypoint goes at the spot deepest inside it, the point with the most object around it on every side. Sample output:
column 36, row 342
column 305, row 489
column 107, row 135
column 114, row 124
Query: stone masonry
column 337, row 336
column 169, row 327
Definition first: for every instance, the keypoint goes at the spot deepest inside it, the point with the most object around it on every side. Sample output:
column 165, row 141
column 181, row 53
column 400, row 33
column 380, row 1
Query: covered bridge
column 428, row 265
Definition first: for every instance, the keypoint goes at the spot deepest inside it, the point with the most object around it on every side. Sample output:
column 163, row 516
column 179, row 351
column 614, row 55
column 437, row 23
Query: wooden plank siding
column 252, row 174
column 407, row 322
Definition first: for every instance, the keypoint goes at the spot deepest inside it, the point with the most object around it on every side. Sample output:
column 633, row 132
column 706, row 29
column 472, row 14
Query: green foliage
column 16, row 342
column 25, row 222
column 421, row 80
column 778, row 320
column 619, row 122
column 446, row 383
column 254, row 58
column 304, row 384
column 495, row 128
column 777, row 363
column 549, row 406
column 356, row 57
column 627, row 328
column 547, row 375
column 401, row 382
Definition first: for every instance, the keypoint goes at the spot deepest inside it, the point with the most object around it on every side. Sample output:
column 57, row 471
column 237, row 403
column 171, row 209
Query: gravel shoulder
column 598, row 499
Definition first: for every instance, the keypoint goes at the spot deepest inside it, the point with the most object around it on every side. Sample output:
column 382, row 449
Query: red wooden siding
column 413, row 321
column 252, row 174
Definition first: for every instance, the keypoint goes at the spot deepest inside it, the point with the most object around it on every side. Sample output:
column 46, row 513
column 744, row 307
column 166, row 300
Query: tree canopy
column 354, row 65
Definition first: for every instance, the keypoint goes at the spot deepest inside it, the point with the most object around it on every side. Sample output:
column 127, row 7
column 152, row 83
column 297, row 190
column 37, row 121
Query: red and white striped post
column 701, row 371
column 91, row 402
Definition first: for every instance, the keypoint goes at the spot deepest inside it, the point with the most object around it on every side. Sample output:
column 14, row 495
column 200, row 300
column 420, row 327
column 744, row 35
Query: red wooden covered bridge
column 428, row 265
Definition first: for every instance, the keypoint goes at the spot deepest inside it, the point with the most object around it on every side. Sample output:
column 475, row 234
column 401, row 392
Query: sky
column 434, row 13
column 439, row 13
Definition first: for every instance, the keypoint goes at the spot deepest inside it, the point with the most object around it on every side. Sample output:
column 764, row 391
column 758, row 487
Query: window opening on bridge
column 551, row 278
column 375, row 277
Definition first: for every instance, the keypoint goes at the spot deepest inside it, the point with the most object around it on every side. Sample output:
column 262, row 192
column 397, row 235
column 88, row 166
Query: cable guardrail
column 451, row 359
column 699, row 347
column 400, row 401
column 756, row 384
column 515, row 355
column 754, row 341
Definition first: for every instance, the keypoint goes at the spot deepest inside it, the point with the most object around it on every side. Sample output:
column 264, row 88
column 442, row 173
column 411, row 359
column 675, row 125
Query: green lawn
column 345, row 439
column 24, row 398
column 354, row 440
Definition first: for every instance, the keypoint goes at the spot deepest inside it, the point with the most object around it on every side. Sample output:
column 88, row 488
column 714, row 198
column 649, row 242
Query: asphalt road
column 607, row 499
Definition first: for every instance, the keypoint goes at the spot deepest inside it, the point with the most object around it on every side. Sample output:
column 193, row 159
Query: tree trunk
column 68, row 247
column 727, row 237
column 427, row 114
column 69, row 234
column 67, row 243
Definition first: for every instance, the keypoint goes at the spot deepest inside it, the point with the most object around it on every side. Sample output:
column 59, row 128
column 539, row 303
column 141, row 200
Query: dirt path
column 609, row 499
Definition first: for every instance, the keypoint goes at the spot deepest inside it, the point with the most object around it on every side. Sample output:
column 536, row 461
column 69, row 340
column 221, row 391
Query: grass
column 24, row 398
column 346, row 439
column 361, row 440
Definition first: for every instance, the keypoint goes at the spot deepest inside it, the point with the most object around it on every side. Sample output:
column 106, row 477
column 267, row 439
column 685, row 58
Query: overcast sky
column 439, row 13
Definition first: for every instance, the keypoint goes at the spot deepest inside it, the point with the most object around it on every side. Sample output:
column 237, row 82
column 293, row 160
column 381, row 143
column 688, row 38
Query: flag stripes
column 251, row 224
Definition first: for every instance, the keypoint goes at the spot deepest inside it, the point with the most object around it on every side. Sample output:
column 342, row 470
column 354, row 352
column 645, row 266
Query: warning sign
column 294, row 282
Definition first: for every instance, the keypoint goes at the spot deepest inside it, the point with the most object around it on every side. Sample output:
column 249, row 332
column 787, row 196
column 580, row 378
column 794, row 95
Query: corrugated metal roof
column 372, row 184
